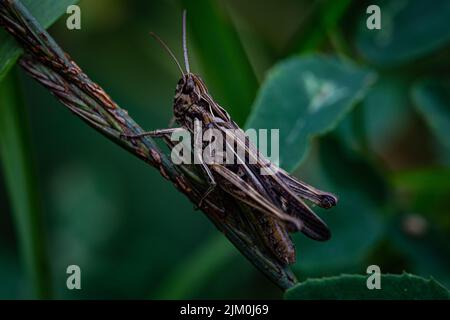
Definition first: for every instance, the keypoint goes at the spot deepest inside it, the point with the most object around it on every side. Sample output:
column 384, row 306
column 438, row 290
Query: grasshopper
column 274, row 202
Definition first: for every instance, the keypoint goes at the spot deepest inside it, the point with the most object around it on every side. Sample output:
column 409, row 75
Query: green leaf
column 385, row 112
column 306, row 97
column 409, row 29
column 383, row 116
column 355, row 223
column 46, row 12
column 354, row 287
column 432, row 99
column 22, row 189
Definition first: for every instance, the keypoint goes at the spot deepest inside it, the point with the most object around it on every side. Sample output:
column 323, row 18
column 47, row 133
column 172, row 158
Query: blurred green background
column 135, row 236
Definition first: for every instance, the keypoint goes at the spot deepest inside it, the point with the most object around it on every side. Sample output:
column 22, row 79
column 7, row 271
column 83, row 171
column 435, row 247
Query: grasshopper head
column 188, row 94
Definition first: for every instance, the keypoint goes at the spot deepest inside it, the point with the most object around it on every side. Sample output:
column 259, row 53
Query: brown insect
column 274, row 202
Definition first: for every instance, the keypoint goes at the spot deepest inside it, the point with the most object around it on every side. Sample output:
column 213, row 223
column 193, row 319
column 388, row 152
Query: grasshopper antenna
column 166, row 47
column 185, row 50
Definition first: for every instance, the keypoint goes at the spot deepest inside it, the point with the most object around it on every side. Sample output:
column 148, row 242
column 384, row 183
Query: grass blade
column 21, row 185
